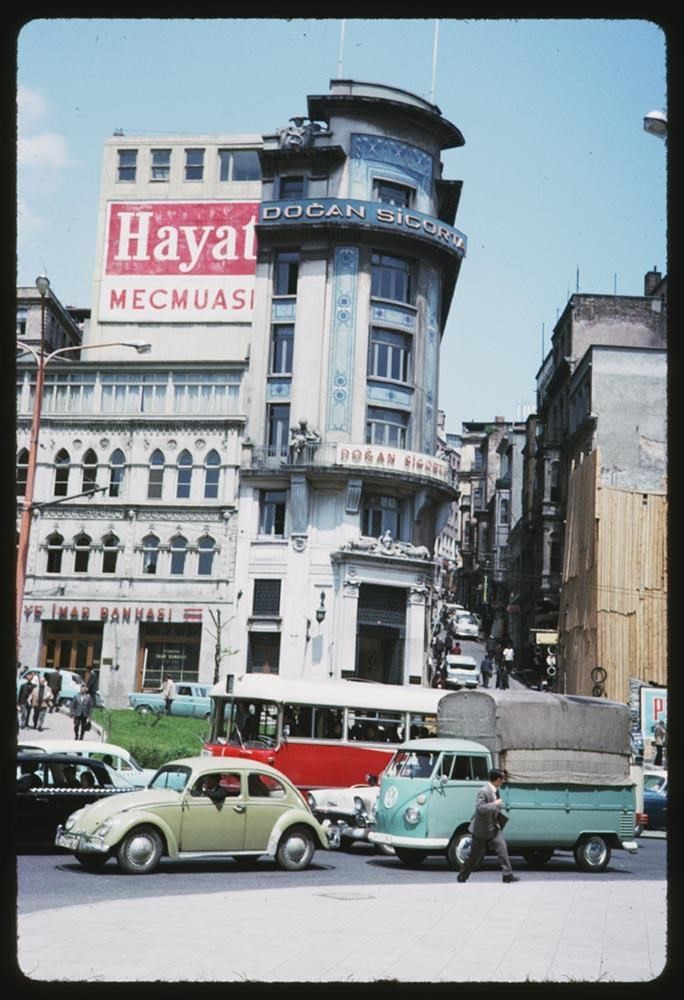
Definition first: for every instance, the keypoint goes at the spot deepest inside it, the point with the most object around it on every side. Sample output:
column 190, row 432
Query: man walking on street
column 23, row 699
column 486, row 670
column 40, row 700
column 54, row 679
column 81, row 707
column 168, row 690
column 485, row 828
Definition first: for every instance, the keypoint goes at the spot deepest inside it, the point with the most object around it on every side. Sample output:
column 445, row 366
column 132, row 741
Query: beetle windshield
column 171, row 777
column 412, row 764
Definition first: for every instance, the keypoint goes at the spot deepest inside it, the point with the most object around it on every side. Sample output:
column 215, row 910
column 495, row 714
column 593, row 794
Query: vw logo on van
column 391, row 796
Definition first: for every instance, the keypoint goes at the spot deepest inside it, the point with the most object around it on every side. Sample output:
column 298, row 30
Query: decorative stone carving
column 299, row 542
column 386, row 546
column 302, row 438
column 299, row 134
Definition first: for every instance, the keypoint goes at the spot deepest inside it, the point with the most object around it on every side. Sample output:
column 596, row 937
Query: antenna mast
column 434, row 60
column 339, row 57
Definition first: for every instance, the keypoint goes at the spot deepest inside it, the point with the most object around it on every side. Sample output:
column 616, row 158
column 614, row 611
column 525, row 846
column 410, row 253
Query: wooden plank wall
column 613, row 610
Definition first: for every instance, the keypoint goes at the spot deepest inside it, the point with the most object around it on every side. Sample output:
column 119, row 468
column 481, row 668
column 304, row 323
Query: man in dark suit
column 485, row 827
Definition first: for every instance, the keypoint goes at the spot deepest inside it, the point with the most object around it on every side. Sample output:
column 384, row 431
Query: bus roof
column 351, row 694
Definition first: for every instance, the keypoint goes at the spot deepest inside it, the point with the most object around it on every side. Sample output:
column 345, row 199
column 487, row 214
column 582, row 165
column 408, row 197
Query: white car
column 461, row 672
column 119, row 759
column 467, row 626
column 347, row 814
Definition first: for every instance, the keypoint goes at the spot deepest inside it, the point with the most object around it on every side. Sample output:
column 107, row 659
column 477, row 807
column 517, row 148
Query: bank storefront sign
column 350, row 212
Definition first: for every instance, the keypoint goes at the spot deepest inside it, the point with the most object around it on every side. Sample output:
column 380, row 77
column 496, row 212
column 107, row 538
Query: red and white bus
column 319, row 733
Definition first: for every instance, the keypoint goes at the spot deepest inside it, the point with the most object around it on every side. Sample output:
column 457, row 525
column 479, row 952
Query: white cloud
column 44, row 149
column 32, row 108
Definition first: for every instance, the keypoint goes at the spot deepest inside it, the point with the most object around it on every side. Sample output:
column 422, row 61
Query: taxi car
column 50, row 786
column 197, row 808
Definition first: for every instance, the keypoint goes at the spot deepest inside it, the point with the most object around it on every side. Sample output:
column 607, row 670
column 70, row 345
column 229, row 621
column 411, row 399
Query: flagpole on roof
column 343, row 25
column 434, row 60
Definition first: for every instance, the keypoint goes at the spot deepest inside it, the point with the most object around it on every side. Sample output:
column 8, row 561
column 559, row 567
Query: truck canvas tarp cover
column 539, row 737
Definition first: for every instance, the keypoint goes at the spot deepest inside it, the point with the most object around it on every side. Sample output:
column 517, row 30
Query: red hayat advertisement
column 179, row 262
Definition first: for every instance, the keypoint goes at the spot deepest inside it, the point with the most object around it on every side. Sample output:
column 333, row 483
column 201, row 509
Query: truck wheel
column 296, row 849
column 410, row 857
column 140, row 850
column 458, row 850
column 537, row 857
column 592, row 853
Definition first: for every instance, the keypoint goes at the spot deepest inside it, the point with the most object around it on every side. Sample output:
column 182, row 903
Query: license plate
column 69, row 840
column 382, row 838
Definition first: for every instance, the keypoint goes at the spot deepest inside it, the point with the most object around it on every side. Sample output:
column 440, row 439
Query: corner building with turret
column 278, row 490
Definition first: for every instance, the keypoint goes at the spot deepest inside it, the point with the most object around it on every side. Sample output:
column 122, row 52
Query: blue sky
column 562, row 188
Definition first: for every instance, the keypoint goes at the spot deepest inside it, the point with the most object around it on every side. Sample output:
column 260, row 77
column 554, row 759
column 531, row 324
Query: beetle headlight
column 104, row 828
column 73, row 820
column 412, row 815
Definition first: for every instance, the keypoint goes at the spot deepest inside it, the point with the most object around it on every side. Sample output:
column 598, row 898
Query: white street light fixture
column 42, row 360
column 655, row 123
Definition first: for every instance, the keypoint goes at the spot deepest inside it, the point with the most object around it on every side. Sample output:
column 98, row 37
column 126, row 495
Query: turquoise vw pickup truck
column 568, row 779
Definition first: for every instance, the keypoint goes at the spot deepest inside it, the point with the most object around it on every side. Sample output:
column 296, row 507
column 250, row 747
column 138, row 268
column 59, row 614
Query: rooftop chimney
column 651, row 281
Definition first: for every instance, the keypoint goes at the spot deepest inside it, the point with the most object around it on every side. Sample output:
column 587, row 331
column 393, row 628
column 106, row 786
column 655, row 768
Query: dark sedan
column 655, row 800
column 50, row 787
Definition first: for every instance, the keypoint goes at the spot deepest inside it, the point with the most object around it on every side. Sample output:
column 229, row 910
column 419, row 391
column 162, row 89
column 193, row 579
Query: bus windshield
column 245, row 721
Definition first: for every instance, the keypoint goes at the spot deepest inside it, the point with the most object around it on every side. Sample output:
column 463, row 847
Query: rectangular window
column 263, row 653
column 381, row 514
column 282, row 348
column 128, row 159
column 391, row 278
column 197, row 392
column 239, row 165
column 272, row 512
column 134, row 393
column 278, row 429
column 393, row 194
column 68, row 393
column 194, row 164
column 285, row 272
column 266, row 598
column 385, row 426
column 292, row 188
column 160, row 165
column 22, row 316
column 389, row 355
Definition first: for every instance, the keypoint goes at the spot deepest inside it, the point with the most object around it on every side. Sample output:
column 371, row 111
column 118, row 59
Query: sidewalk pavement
column 550, row 930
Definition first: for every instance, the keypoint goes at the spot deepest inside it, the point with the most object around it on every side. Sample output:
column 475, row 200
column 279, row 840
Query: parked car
column 655, row 799
column 198, row 807
column 115, row 756
column 191, row 700
column 346, row 813
column 71, row 685
column 50, row 786
column 461, row 671
column 466, row 626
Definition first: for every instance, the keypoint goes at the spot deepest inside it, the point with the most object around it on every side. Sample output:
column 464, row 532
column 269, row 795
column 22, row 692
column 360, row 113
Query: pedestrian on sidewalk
column 486, row 670
column 54, row 679
column 485, row 828
column 81, row 707
column 40, row 700
column 168, row 690
column 659, row 741
column 23, row 696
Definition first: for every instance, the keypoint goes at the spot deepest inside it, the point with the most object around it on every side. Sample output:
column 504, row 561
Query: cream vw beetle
column 198, row 807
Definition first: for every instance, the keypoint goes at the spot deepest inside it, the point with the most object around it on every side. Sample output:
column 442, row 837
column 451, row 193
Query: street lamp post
column 42, row 360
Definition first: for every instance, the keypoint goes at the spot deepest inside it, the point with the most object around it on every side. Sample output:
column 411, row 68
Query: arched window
column 55, row 548
column 155, row 482
column 205, row 560
column 89, row 470
column 22, row 471
column 82, row 544
column 179, row 550
column 555, row 553
column 184, row 475
column 117, row 461
column 110, row 552
column 150, row 554
column 212, row 470
column 62, row 464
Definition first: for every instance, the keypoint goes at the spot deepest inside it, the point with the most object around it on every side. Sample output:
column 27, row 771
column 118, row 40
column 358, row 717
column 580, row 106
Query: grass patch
column 152, row 739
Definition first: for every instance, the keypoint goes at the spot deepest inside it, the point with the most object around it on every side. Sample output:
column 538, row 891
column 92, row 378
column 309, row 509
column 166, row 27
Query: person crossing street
column 485, row 828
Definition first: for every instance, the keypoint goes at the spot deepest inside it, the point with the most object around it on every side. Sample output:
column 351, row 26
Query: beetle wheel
column 296, row 849
column 140, row 850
